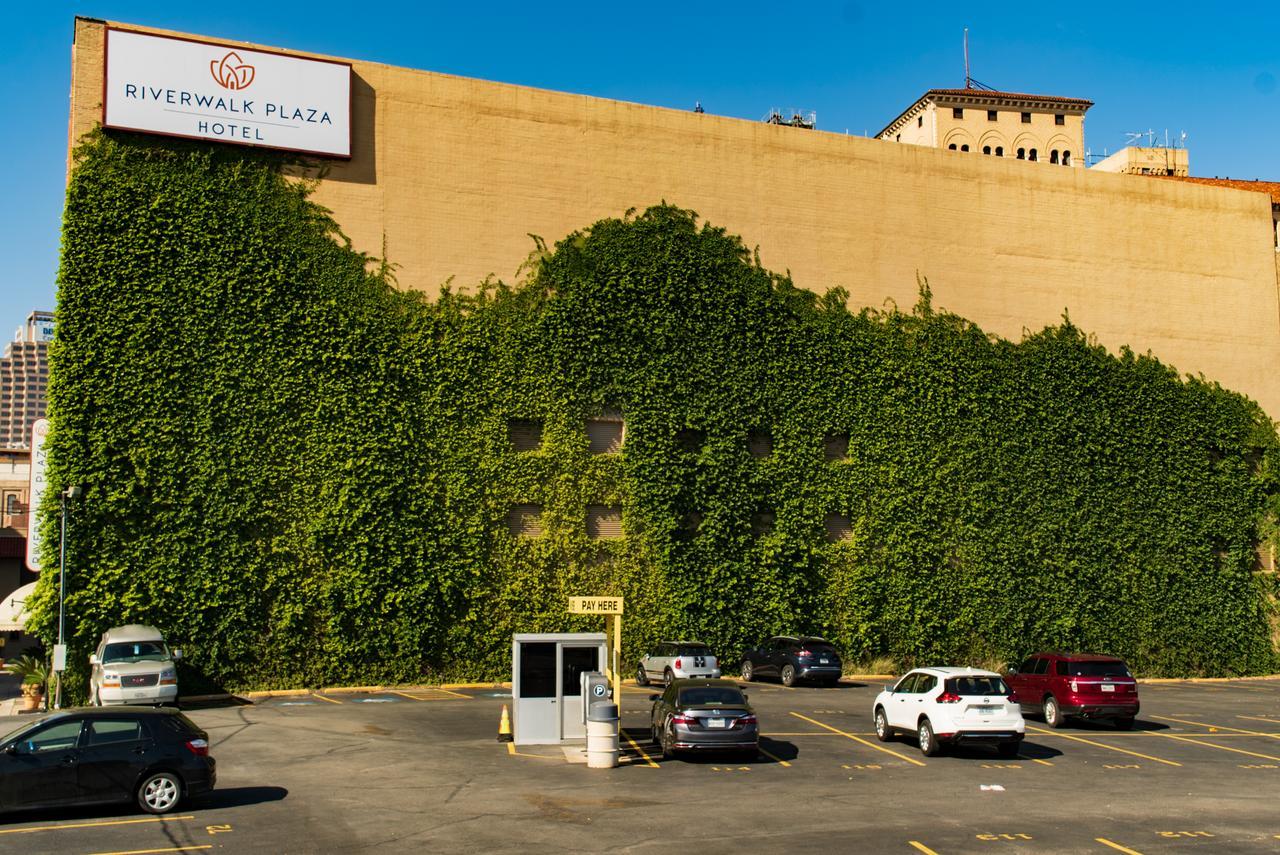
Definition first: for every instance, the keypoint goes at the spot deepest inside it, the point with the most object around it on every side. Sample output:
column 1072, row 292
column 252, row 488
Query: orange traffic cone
column 504, row 726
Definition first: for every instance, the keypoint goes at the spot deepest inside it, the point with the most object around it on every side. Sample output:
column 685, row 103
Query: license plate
column 141, row 694
column 824, row 661
column 985, row 710
column 715, row 722
column 1107, row 687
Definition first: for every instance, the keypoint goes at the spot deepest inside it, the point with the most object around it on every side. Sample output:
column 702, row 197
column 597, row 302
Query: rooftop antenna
column 968, row 81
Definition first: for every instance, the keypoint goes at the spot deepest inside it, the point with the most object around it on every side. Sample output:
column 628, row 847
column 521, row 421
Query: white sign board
column 186, row 88
column 35, row 491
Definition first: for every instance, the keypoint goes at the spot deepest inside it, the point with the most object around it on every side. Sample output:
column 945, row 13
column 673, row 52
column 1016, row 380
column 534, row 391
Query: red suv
column 1061, row 685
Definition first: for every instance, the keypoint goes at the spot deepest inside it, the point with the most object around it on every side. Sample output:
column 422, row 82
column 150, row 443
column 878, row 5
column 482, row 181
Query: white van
column 133, row 665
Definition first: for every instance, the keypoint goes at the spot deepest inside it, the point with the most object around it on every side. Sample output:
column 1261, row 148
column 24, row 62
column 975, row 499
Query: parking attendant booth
column 546, row 684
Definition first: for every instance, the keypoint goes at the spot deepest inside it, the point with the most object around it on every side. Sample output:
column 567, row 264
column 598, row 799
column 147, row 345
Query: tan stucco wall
column 454, row 173
column 1009, row 131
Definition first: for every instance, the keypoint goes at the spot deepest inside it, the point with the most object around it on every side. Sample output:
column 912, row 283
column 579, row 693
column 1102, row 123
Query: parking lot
column 420, row 769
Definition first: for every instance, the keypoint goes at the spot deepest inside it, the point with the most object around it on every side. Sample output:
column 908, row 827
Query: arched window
column 1022, row 154
column 986, row 149
column 1066, row 158
column 1053, row 156
column 999, row 151
column 952, row 146
column 964, row 147
column 1031, row 155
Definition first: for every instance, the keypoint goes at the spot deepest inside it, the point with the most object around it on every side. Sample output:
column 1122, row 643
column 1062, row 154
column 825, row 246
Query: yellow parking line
column 1219, row 727
column 447, row 692
column 918, row 845
column 809, row 733
column 1212, row 745
column 1102, row 745
column 1034, row 760
column 1268, row 720
column 152, row 851
column 640, row 751
column 910, row 760
column 1116, row 846
column 91, row 824
column 323, row 698
column 511, row 749
column 775, row 758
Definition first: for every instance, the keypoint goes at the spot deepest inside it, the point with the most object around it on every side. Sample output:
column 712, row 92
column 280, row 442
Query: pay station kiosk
column 546, row 684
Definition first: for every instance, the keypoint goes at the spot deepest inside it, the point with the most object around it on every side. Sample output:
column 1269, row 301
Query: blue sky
column 1214, row 74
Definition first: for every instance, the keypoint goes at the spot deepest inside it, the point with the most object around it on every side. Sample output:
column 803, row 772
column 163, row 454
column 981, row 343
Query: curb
column 351, row 690
column 1208, row 679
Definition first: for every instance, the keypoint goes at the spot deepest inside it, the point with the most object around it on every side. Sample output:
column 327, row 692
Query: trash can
column 602, row 736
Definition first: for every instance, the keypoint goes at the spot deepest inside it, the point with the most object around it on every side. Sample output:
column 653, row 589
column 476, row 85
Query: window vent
column 525, row 521
column 525, row 434
column 760, row 443
column 691, row 440
column 604, row 522
column 605, row 434
column 835, row 446
column 839, row 529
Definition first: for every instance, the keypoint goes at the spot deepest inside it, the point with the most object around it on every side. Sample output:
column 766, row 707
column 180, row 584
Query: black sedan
column 156, row 757
column 793, row 658
column 708, row 715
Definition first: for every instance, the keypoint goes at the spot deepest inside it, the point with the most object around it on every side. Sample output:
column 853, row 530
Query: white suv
column 950, row 706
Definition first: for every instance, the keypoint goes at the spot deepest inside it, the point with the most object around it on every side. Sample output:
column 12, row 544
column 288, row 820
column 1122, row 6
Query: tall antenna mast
column 968, row 81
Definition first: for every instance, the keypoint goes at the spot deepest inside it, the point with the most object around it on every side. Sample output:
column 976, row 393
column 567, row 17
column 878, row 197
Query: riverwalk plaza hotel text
column 985, row 193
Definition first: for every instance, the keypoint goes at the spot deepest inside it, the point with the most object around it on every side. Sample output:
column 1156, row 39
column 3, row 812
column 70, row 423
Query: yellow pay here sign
column 595, row 605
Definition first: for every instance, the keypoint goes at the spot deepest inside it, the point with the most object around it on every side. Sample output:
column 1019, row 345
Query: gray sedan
column 707, row 715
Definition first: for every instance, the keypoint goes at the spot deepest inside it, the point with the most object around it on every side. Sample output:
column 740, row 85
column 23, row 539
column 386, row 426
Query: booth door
column 574, row 662
column 537, row 717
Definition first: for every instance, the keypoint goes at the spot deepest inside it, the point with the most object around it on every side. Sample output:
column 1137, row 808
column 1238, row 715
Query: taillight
column 948, row 698
column 683, row 719
column 745, row 720
column 678, row 665
column 198, row 747
column 804, row 654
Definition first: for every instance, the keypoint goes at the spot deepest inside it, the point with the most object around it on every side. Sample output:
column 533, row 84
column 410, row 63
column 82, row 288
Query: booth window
column 604, row 522
column 524, row 434
column 537, row 669
column 575, row 661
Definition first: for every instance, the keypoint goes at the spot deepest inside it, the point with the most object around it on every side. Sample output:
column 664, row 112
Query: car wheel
column 668, row 676
column 160, row 792
column 883, row 732
column 642, row 678
column 1053, row 713
column 929, row 746
column 1124, row 724
column 666, row 742
column 788, row 675
column 748, row 671
column 1007, row 750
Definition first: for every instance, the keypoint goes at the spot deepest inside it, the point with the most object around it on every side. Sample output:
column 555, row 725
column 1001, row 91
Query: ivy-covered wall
column 306, row 477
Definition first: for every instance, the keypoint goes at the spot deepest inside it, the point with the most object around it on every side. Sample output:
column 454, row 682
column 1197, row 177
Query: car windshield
column 692, row 650
column 135, row 651
column 1097, row 669
column 711, row 696
column 977, row 686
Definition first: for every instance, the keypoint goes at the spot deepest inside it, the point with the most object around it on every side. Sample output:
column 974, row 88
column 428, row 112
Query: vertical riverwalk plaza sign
column 201, row 90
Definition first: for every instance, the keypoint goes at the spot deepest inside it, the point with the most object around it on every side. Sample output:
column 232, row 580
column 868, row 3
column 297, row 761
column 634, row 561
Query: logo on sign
column 598, row 691
column 232, row 72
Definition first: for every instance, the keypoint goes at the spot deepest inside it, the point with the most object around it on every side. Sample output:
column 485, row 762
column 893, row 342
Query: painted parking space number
column 1003, row 837
column 1184, row 834
column 217, row 829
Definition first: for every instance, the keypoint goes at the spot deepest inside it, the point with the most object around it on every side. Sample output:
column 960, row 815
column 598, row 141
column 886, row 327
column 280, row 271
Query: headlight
column 169, row 677
column 111, row 681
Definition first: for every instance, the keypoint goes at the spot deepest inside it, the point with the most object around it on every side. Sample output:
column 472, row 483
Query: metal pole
column 62, row 589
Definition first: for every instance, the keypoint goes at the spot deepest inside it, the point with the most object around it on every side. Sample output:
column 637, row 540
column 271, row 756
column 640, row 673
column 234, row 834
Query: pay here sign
column 186, row 88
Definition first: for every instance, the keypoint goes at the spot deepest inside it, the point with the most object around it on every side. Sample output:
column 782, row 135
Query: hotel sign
column 201, row 90
column 35, row 491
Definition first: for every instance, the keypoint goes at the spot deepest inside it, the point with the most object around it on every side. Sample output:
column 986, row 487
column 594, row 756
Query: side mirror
column 94, row 660
column 655, row 698
column 11, row 749
column 177, row 654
